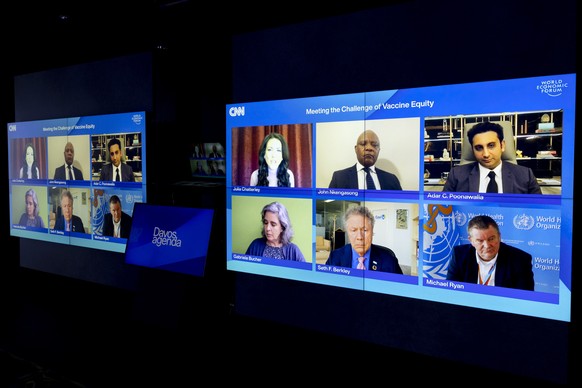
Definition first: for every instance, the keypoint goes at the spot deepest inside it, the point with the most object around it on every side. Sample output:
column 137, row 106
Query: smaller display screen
column 170, row 238
column 207, row 160
column 69, row 178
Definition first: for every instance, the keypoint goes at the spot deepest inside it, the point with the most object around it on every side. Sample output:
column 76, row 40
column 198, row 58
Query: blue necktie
column 369, row 181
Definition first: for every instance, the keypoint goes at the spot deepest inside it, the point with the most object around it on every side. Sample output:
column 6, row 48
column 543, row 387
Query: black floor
column 61, row 332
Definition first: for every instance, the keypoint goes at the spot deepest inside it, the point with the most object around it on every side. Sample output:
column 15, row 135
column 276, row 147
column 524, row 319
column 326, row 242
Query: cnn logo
column 236, row 111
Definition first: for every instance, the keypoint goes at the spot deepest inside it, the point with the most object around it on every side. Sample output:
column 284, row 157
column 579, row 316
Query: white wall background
column 399, row 148
column 401, row 241
column 56, row 156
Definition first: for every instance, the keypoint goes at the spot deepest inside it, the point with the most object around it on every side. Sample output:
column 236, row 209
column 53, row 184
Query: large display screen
column 75, row 180
column 302, row 205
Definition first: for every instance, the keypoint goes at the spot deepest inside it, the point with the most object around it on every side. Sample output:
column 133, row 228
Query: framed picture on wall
column 401, row 219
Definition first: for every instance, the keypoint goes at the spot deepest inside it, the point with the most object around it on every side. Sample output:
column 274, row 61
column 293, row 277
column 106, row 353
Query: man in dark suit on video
column 364, row 175
column 117, row 223
column 488, row 261
column 489, row 174
column 68, row 171
column 68, row 221
column 214, row 153
column 360, row 253
column 116, row 170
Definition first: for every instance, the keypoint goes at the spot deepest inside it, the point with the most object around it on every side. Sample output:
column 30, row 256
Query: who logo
column 236, row 111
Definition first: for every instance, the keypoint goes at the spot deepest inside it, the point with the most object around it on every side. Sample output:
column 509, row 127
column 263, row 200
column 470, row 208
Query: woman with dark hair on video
column 273, row 168
column 30, row 168
column 277, row 233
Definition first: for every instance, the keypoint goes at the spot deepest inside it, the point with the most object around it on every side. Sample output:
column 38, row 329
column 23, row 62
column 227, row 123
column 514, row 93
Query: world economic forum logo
column 137, row 118
column 552, row 87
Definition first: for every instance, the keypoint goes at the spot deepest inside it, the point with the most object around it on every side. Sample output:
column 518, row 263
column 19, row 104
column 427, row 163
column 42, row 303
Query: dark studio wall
column 133, row 82
column 407, row 45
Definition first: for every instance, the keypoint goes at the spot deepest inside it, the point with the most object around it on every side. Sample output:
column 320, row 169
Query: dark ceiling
column 63, row 32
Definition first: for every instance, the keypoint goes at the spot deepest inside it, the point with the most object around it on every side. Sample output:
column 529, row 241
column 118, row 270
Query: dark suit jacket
column 348, row 179
column 77, row 225
column 381, row 259
column 516, row 179
column 107, row 172
column 125, row 226
column 61, row 174
column 513, row 269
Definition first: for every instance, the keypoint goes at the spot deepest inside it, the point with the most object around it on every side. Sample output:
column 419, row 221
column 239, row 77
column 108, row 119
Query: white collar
column 360, row 167
column 483, row 171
